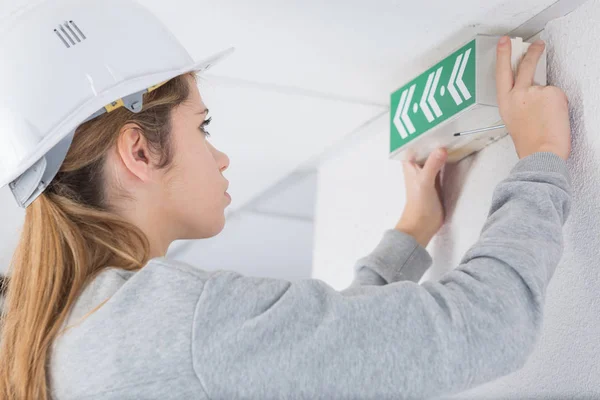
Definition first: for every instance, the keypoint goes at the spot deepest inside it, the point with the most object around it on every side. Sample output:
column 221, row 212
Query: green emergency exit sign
column 436, row 95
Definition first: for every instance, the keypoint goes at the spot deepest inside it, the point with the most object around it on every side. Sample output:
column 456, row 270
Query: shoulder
column 133, row 325
column 164, row 272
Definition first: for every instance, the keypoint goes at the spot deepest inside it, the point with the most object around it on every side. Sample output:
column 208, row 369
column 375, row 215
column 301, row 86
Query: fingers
column 410, row 162
column 529, row 64
column 408, row 167
column 504, row 72
column 434, row 164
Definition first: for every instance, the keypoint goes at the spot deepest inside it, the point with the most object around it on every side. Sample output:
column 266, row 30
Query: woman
column 94, row 310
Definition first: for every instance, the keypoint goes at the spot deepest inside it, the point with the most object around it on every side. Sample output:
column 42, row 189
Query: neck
column 152, row 222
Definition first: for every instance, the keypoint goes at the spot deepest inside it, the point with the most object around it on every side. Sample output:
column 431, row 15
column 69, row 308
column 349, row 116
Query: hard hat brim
column 61, row 132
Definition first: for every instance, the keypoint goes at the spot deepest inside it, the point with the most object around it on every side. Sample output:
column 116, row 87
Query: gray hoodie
column 173, row 331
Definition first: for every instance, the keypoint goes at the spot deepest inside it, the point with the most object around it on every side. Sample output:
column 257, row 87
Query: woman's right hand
column 537, row 117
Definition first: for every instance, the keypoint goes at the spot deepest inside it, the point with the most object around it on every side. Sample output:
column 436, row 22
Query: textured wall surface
column 566, row 362
column 567, row 359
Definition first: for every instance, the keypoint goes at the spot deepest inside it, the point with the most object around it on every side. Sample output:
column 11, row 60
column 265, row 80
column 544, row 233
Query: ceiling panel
column 295, row 200
column 269, row 134
column 256, row 245
column 305, row 73
column 353, row 49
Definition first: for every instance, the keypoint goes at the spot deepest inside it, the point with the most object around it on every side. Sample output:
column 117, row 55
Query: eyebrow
column 203, row 112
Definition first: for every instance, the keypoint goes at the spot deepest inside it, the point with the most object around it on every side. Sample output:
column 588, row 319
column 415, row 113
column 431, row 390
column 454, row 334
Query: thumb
column 434, row 164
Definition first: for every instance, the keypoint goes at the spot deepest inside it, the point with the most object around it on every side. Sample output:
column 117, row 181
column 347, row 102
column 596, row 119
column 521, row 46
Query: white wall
column 256, row 245
column 360, row 194
column 272, row 237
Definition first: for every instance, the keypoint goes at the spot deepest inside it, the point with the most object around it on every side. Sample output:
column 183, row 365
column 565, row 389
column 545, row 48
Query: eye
column 204, row 125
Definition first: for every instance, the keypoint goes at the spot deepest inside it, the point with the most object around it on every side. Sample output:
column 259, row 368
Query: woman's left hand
column 424, row 213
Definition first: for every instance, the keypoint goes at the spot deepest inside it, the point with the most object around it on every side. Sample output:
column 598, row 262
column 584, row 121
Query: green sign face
column 434, row 96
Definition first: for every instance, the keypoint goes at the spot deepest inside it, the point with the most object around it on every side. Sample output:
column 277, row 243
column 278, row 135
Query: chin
column 204, row 231
column 218, row 230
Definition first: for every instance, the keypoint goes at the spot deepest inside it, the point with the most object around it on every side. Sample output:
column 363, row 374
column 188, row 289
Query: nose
column 223, row 160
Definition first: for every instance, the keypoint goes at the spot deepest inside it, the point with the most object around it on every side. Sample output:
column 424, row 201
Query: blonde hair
column 69, row 237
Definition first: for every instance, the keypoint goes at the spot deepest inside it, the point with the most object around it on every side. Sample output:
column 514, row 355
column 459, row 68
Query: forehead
column 194, row 99
column 190, row 111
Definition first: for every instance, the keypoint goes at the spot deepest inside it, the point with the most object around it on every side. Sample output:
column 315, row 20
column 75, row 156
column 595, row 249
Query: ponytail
column 50, row 267
column 70, row 235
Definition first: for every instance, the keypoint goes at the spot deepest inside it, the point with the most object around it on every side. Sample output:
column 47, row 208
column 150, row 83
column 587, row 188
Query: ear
column 133, row 150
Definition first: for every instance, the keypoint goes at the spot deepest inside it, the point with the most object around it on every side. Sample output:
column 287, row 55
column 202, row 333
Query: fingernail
column 503, row 40
column 539, row 42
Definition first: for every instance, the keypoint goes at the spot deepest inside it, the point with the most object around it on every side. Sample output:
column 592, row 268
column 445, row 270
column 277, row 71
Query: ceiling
column 307, row 74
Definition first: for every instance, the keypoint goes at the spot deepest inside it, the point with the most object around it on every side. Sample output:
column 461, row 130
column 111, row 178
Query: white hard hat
column 64, row 62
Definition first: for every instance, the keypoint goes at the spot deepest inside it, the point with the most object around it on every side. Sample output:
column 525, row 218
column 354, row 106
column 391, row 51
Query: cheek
column 199, row 176
column 196, row 197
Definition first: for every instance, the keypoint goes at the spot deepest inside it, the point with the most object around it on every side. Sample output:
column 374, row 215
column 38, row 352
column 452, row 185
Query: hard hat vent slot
column 69, row 34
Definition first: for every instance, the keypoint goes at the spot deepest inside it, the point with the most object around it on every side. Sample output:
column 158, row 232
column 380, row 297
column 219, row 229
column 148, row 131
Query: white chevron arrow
column 457, row 78
column 428, row 98
column 397, row 121
column 431, row 99
column 405, row 118
column 451, row 87
column 402, row 113
column 459, row 81
column 423, row 102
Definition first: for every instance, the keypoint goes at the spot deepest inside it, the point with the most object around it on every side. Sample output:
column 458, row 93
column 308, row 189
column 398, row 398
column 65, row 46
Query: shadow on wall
column 454, row 177
column 581, row 230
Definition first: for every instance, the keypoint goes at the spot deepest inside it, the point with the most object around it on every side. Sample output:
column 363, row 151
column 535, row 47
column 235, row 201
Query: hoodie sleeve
column 398, row 257
column 257, row 338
